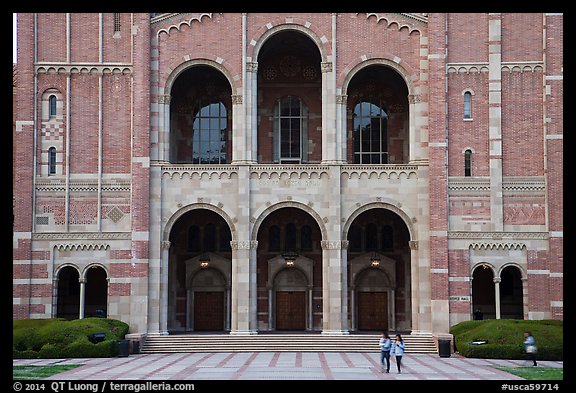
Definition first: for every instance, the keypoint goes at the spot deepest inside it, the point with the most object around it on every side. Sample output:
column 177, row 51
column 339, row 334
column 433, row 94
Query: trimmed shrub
column 58, row 338
column 504, row 338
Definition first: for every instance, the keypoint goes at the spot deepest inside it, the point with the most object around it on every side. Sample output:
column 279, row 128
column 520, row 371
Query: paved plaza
column 281, row 366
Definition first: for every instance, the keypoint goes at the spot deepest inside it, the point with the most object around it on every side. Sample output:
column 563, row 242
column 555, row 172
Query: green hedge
column 58, row 338
column 504, row 338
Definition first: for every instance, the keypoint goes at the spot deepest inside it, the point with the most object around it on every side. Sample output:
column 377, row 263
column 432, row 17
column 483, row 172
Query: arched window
column 225, row 238
column 387, row 237
column 467, row 105
column 468, row 163
column 274, row 238
column 194, row 238
column 209, row 237
column 290, row 241
column 52, row 161
column 209, row 134
column 52, row 106
column 371, row 237
column 355, row 238
column 290, row 131
column 370, row 134
column 306, row 238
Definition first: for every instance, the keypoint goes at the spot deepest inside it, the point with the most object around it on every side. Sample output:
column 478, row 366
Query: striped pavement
column 281, row 366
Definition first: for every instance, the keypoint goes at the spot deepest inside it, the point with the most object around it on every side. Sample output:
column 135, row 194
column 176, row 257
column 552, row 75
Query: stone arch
column 522, row 271
column 84, row 272
column 264, row 36
column 185, row 209
column 380, row 205
column 264, row 212
column 403, row 69
column 184, row 66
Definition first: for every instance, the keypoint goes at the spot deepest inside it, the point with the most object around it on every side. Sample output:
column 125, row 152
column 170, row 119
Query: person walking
column 530, row 347
column 398, row 351
column 385, row 345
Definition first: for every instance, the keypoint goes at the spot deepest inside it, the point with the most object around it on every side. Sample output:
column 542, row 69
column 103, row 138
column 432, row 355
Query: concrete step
column 279, row 343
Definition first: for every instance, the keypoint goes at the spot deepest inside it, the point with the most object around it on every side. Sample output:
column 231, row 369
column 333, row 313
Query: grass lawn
column 40, row 372
column 536, row 373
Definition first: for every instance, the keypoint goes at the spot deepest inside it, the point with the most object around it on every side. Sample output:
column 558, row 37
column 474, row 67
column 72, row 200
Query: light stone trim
column 388, row 171
column 82, row 246
column 59, row 185
column 171, row 18
column 83, row 68
column 224, row 171
column 413, row 22
column 498, row 235
column 334, row 244
column 82, row 236
column 516, row 66
column 497, row 246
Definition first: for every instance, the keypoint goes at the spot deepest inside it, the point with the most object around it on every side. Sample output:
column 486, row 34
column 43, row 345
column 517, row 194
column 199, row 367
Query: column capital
column 164, row 98
column 165, row 245
column 237, row 99
column 334, row 244
column 244, row 245
column 413, row 244
column 251, row 66
column 342, row 99
column 326, row 66
column 414, row 98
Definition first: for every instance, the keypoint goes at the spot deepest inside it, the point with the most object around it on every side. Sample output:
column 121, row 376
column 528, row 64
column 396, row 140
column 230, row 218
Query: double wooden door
column 373, row 311
column 290, row 310
column 209, row 311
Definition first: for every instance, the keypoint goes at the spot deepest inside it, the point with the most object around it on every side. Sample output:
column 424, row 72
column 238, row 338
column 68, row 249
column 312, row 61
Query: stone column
column 164, row 278
column 525, row 306
column 242, row 289
column 251, row 111
column 239, row 147
column 497, row 295
column 333, row 290
column 329, row 135
column 164, row 128
column 310, row 322
column 495, row 120
column 341, row 112
column 82, row 282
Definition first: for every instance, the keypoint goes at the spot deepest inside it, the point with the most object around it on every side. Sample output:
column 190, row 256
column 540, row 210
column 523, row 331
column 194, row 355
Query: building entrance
column 208, row 311
column 373, row 311
column 290, row 310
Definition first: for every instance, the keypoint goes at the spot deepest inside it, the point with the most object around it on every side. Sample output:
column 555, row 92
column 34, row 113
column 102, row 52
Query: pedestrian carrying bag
column 531, row 349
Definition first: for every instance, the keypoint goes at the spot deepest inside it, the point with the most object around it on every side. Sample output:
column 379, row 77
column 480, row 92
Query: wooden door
column 372, row 311
column 208, row 310
column 290, row 310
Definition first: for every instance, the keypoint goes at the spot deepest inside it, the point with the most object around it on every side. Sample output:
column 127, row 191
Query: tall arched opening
column 199, row 273
column 379, row 272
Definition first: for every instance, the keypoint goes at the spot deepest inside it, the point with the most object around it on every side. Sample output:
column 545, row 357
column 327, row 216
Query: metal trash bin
column 123, row 348
column 135, row 346
column 444, row 347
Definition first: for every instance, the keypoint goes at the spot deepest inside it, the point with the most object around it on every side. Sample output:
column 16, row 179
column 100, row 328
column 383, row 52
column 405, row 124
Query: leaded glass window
column 370, row 134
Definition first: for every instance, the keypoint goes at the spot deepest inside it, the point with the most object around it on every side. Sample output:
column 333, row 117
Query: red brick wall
column 53, row 28
column 467, row 37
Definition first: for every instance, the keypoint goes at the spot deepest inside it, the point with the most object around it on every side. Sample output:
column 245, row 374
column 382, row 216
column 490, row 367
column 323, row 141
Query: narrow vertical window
column 370, row 133
column 52, row 106
column 468, row 163
column 116, row 23
column 52, row 161
column 290, row 130
column 306, row 238
column 274, row 238
column 467, row 105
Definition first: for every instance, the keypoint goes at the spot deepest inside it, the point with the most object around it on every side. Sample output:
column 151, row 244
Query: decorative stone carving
column 326, row 66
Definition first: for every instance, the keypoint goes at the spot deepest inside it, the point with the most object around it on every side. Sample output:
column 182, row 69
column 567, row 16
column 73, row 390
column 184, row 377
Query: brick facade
column 121, row 197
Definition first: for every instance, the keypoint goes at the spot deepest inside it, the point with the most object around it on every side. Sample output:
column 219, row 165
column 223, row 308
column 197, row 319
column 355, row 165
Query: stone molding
column 55, row 236
column 388, row 171
column 59, row 185
column 83, row 68
column 82, row 246
column 334, row 244
column 498, row 235
column 512, row 66
column 497, row 246
column 174, row 20
column 411, row 21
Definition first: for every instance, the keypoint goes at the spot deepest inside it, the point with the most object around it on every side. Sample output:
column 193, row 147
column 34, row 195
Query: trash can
column 444, row 347
column 123, row 348
column 135, row 346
